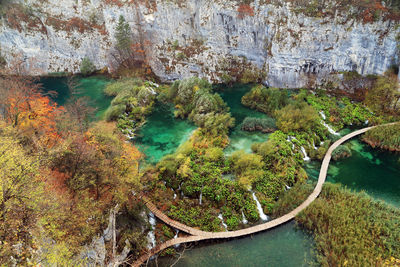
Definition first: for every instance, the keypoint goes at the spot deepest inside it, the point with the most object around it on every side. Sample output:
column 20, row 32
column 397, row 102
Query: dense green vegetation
column 259, row 124
column 199, row 168
column 387, row 137
column 265, row 100
column 193, row 98
column 134, row 99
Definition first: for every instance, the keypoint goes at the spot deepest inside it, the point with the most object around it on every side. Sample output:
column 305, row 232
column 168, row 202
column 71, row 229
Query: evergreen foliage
column 87, row 67
column 123, row 35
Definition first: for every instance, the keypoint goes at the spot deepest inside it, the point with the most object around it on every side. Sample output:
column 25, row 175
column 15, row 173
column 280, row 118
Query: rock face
column 200, row 37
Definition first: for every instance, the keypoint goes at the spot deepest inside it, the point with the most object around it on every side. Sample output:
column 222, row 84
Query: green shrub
column 87, row 67
column 265, row 100
column 258, row 124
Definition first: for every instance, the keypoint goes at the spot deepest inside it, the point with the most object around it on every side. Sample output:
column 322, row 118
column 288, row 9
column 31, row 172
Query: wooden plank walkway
column 198, row 235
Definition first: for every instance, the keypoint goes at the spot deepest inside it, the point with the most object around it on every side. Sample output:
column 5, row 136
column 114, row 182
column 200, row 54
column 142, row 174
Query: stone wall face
column 204, row 38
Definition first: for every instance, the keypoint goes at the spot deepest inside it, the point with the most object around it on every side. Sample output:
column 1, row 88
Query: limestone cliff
column 212, row 39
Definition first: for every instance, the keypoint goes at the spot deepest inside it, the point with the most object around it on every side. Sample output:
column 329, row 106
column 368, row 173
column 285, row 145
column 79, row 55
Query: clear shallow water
column 240, row 140
column 374, row 171
column 91, row 87
column 282, row 246
column 162, row 134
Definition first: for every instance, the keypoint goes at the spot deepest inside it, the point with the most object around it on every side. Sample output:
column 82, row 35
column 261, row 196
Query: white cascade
column 222, row 221
column 151, row 236
column 322, row 115
column 175, row 237
column 303, row 150
column 329, row 128
column 313, row 144
column 201, row 197
column 287, row 187
column 244, row 220
column 174, row 196
column 263, row 216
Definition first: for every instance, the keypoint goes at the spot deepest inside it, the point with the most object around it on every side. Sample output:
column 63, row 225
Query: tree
column 87, row 67
column 123, row 34
column 20, row 193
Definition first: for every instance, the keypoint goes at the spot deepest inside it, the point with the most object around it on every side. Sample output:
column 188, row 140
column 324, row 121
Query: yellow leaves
column 196, row 88
column 185, row 170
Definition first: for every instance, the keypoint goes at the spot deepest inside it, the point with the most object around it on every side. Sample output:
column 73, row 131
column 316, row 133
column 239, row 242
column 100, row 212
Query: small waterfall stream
column 329, row 128
column 306, row 157
column 263, row 216
column 222, row 221
column 151, row 236
column 244, row 220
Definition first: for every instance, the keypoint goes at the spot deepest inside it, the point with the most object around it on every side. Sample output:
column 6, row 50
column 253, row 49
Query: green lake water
column 91, row 87
column 162, row 134
column 240, row 140
column 375, row 171
column 283, row 246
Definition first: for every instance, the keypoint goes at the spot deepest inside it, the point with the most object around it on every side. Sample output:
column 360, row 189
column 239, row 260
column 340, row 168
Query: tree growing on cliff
column 123, row 35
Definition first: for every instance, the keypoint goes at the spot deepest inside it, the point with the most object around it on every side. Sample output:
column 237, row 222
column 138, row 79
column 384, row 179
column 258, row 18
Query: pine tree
column 123, row 35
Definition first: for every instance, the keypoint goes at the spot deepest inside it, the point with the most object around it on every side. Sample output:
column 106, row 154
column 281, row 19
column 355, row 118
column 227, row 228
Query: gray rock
column 291, row 48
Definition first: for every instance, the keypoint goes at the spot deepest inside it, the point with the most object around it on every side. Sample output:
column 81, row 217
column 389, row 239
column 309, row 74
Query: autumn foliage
column 59, row 176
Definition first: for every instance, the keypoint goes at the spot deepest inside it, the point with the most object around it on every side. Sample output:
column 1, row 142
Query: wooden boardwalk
column 198, row 235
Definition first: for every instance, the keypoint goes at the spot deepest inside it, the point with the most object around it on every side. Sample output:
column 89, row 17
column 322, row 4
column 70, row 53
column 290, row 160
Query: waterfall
column 259, row 208
column 313, row 144
column 289, row 139
column 201, row 197
column 174, row 196
column 366, row 122
column 151, row 236
column 329, row 128
column 175, row 237
column 287, row 187
column 244, row 220
column 322, row 115
column 222, row 220
column 306, row 158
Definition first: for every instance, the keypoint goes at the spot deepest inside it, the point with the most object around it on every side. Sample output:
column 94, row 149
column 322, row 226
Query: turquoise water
column 374, row 171
column 284, row 246
column 91, row 87
column 240, row 140
column 162, row 134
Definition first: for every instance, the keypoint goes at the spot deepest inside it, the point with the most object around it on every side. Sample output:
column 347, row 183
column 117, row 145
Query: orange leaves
column 37, row 116
column 245, row 10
